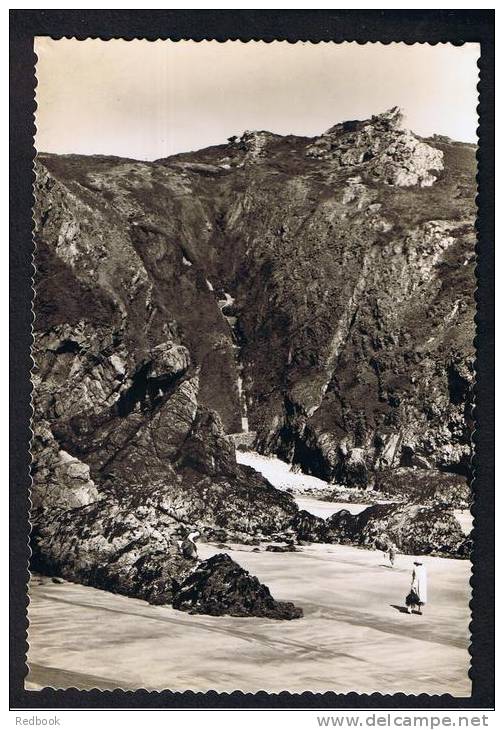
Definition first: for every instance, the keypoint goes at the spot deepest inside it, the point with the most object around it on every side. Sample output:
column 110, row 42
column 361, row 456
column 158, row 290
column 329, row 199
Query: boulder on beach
column 219, row 586
column 308, row 527
column 281, row 549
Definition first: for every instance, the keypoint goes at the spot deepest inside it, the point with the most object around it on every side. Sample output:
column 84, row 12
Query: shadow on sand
column 401, row 609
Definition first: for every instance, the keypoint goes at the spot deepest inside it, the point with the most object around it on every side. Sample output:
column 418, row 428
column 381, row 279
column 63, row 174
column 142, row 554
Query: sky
column 146, row 100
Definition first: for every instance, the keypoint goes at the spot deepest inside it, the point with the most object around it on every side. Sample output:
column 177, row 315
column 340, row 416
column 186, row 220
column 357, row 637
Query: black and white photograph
column 253, row 366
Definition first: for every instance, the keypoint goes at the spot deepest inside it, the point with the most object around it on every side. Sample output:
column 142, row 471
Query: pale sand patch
column 351, row 637
column 278, row 472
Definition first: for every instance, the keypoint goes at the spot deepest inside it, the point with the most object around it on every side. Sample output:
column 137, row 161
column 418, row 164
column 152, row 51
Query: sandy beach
column 354, row 635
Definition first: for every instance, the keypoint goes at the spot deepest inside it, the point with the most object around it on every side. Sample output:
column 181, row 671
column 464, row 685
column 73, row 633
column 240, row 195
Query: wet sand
column 354, row 634
column 324, row 509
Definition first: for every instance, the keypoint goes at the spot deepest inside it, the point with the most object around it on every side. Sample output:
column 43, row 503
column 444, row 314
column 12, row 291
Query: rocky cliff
column 132, row 357
column 346, row 263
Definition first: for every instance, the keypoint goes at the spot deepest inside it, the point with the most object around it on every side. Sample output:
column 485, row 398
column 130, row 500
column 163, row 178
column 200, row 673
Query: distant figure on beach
column 418, row 592
column 382, row 543
column 392, row 550
column 188, row 546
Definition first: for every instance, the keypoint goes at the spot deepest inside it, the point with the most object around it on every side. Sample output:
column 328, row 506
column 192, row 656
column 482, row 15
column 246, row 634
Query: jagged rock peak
column 382, row 148
column 391, row 119
column 253, row 143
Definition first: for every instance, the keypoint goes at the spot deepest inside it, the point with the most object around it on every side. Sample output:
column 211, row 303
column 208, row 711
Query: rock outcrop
column 220, row 586
column 126, row 545
column 308, row 527
column 349, row 262
column 414, row 529
column 130, row 360
column 424, row 486
column 383, row 148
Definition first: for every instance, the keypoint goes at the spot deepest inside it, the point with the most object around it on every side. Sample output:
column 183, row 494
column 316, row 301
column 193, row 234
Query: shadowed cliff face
column 350, row 260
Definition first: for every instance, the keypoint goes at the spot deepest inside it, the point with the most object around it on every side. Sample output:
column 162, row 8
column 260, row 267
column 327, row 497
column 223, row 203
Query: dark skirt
column 412, row 599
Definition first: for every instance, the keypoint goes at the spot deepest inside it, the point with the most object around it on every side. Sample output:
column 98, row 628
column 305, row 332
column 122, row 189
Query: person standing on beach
column 418, row 590
column 392, row 550
column 381, row 543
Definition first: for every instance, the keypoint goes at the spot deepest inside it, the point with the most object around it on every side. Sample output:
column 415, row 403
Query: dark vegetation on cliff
column 350, row 258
